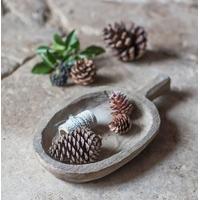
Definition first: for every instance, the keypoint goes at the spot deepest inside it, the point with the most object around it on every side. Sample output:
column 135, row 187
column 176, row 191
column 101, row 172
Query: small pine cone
column 121, row 123
column 83, row 72
column 79, row 147
column 120, row 104
column 128, row 43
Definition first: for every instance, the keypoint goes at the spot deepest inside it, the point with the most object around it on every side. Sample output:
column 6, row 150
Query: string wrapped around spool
column 85, row 118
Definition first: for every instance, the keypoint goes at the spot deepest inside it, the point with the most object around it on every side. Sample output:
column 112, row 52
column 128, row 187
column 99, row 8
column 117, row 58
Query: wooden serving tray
column 117, row 150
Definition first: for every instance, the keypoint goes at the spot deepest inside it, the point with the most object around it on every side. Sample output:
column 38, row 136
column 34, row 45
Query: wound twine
column 85, row 118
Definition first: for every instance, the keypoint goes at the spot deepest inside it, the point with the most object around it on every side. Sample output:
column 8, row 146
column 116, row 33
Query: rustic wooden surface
column 167, row 168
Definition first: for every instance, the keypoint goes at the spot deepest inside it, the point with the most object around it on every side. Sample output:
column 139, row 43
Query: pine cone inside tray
column 79, row 147
column 121, row 123
column 128, row 43
column 119, row 103
column 83, row 72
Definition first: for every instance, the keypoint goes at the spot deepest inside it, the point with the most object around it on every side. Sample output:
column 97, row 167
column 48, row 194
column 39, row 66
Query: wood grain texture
column 117, row 150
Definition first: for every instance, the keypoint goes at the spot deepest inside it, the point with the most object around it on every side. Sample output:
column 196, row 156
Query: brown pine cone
column 83, row 72
column 120, row 104
column 121, row 123
column 79, row 147
column 128, row 43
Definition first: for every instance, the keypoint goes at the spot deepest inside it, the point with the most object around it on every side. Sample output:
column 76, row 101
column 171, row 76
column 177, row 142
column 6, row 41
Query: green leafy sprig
column 63, row 50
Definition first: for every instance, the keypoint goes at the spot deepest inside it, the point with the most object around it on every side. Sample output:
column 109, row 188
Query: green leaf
column 72, row 42
column 76, row 46
column 70, row 59
column 71, row 50
column 58, row 55
column 58, row 40
column 42, row 68
column 49, row 59
column 58, row 43
column 57, row 47
column 92, row 51
column 66, row 57
column 42, row 49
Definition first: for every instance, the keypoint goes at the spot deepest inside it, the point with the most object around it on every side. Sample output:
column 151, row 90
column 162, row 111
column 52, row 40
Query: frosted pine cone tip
column 121, row 124
column 119, row 103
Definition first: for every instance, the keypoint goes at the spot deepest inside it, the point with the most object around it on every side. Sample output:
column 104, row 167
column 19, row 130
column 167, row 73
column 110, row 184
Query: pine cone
column 79, row 147
column 83, row 72
column 128, row 43
column 121, row 123
column 120, row 104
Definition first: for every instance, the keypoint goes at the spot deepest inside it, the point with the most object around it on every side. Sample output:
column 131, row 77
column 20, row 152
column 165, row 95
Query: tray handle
column 156, row 87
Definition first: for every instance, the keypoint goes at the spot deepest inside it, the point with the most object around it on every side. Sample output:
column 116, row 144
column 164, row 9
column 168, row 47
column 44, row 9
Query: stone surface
column 30, row 12
column 167, row 168
column 24, row 27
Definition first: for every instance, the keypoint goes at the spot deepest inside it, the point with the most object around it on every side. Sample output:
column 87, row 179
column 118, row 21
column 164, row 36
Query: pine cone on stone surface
column 79, row 147
column 121, row 123
column 119, row 103
column 128, row 43
column 83, row 72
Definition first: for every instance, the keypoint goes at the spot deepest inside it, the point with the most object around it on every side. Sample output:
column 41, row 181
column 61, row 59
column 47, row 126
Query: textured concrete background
column 167, row 168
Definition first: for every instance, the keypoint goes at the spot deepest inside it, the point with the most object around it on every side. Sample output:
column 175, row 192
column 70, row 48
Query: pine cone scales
column 83, row 72
column 128, row 43
column 79, row 147
column 120, row 104
column 121, row 123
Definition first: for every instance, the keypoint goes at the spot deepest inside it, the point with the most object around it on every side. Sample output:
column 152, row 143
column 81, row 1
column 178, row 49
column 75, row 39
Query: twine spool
column 85, row 118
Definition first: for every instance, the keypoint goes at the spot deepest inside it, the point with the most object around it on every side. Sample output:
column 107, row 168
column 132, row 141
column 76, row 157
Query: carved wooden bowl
column 117, row 149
